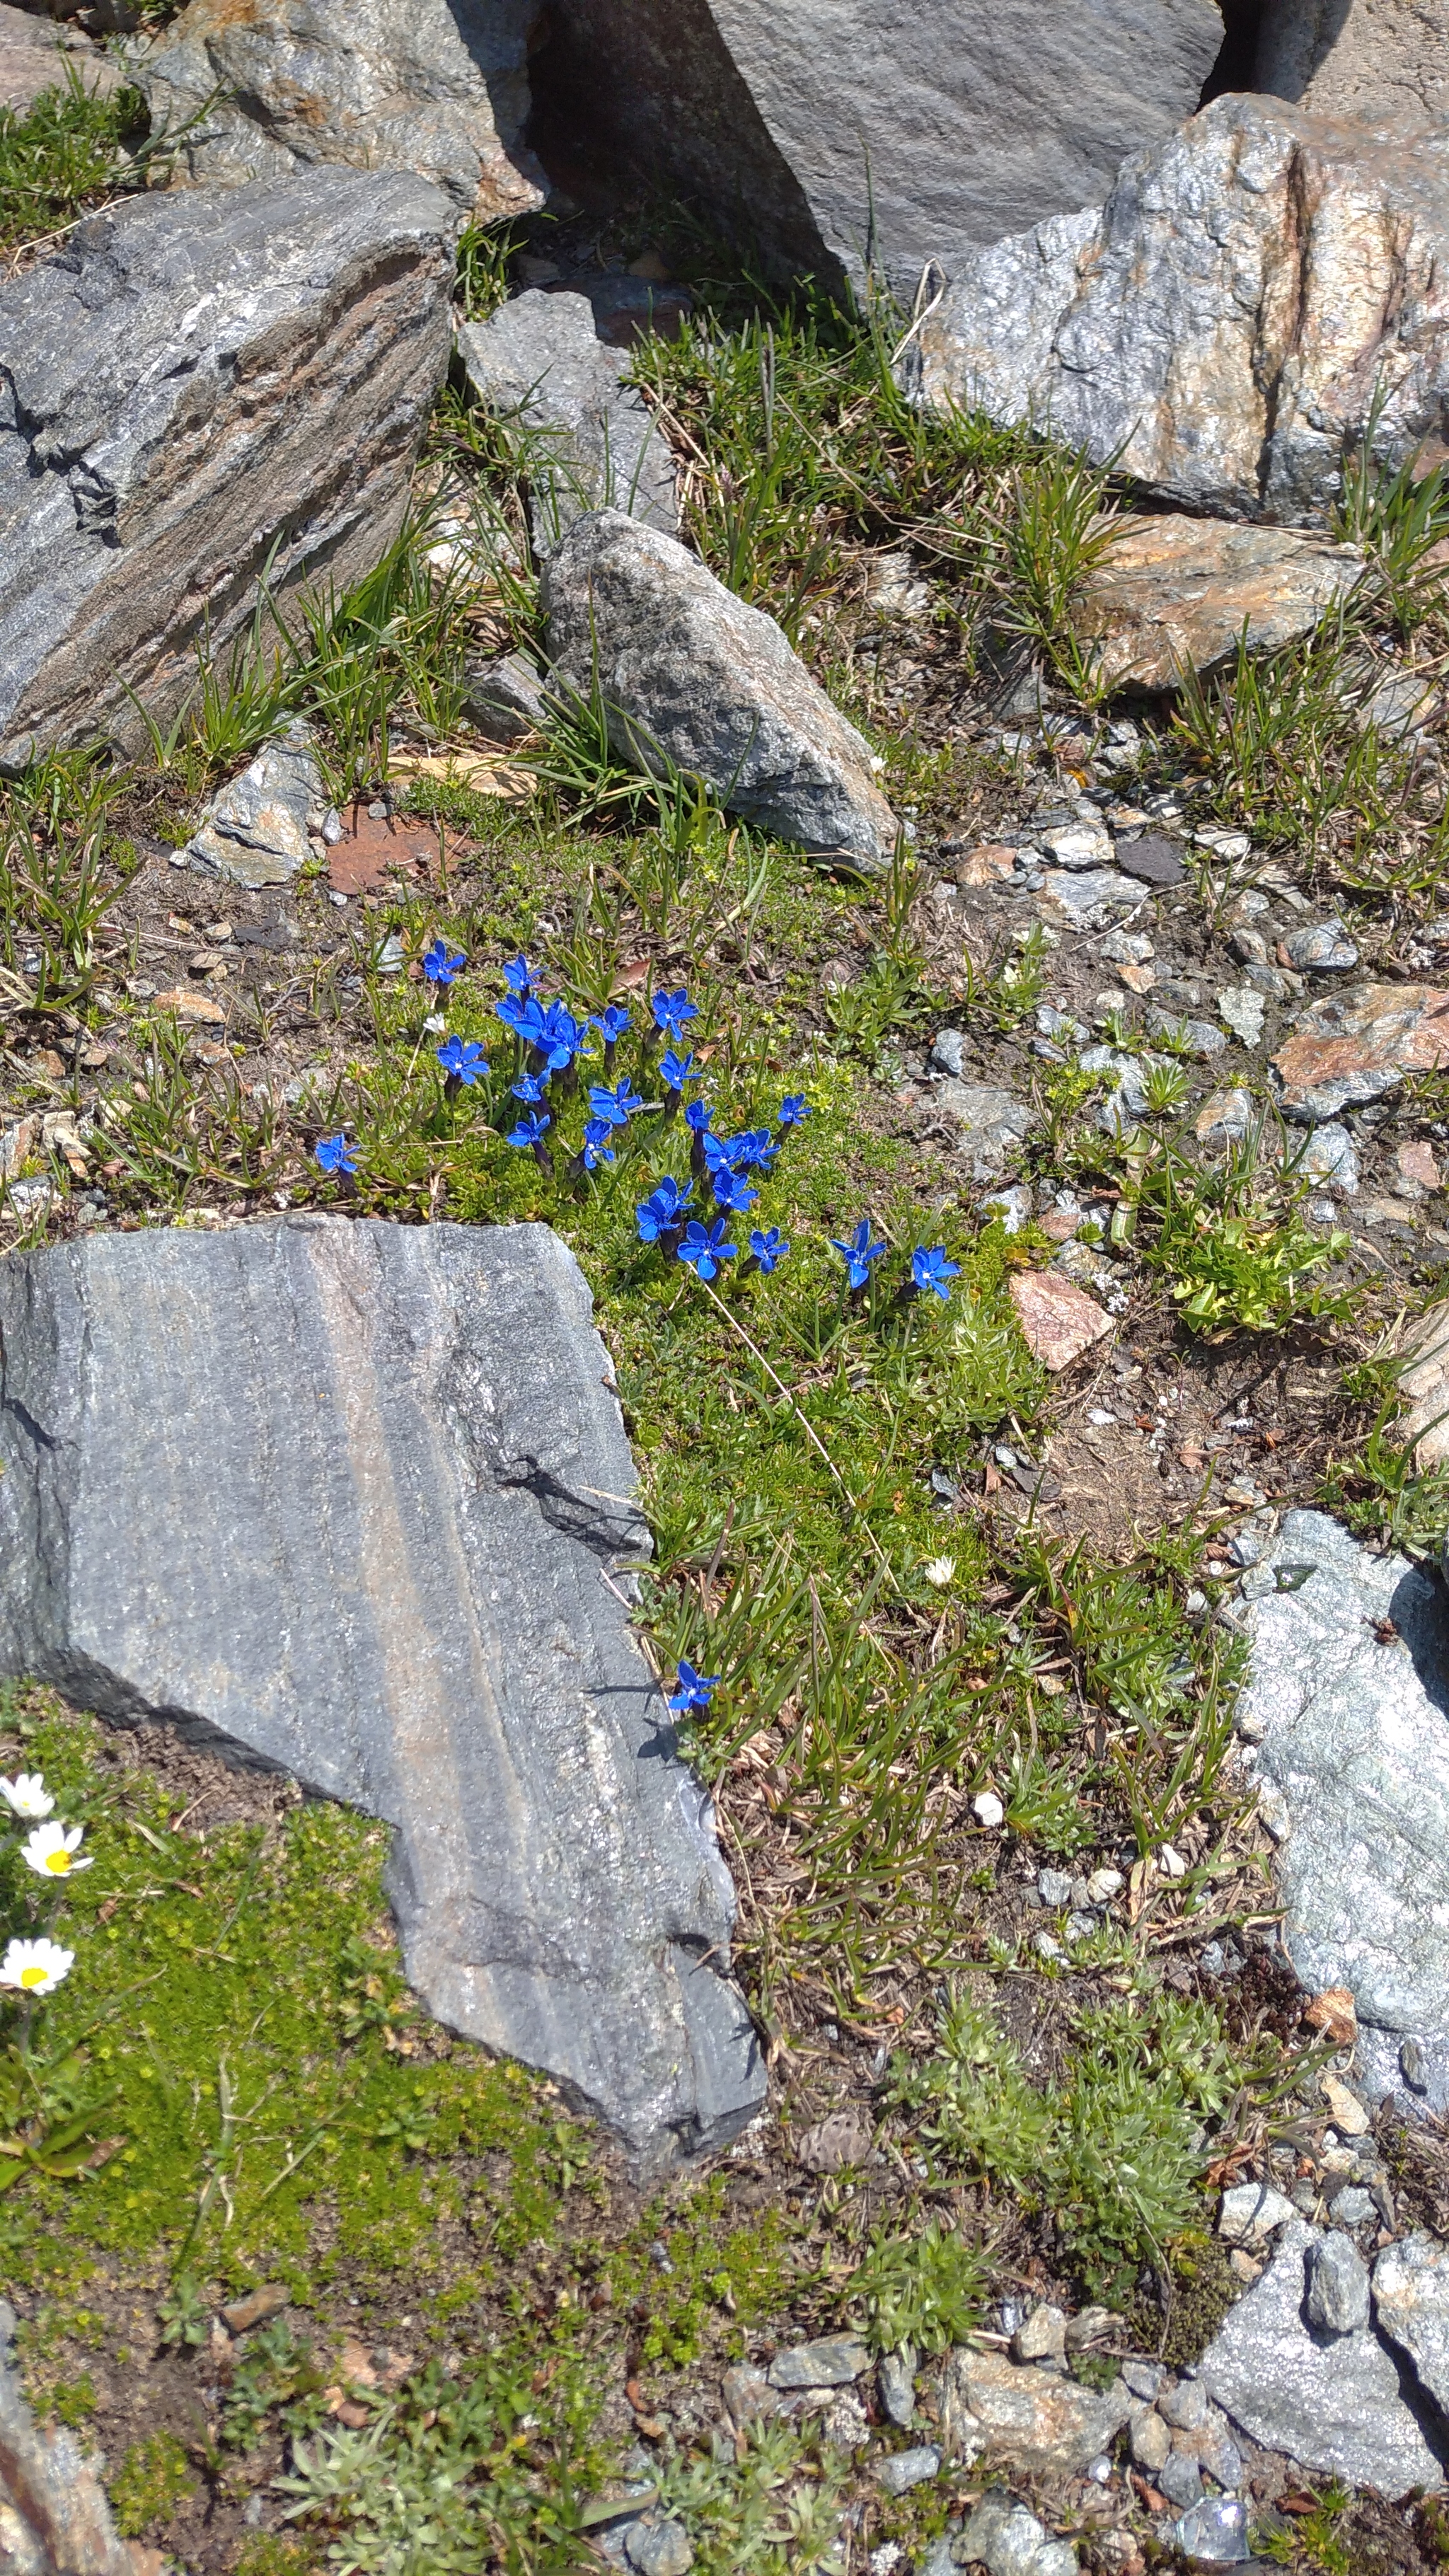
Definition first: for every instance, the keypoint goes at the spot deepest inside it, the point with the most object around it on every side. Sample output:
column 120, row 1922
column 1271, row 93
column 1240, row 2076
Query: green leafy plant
column 185, row 2313
column 154, row 2477
column 928, row 2290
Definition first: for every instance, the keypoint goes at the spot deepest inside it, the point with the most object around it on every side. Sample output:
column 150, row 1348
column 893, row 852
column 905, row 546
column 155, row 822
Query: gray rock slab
column 1411, row 2307
column 56, row 2511
column 836, row 133
column 1157, row 332
column 1174, row 595
column 1089, row 898
column 340, row 1499
column 902, row 2470
column 199, row 393
column 1214, row 2533
column 1350, row 1728
column 690, row 675
column 435, row 87
column 587, row 440
column 255, row 829
column 989, row 1122
column 1338, row 2285
column 1338, row 2404
column 832, row 2361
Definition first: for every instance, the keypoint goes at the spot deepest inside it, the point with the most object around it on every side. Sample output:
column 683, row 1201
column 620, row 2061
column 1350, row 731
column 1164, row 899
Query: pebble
column 895, row 2378
column 1185, row 2407
column 659, row 2548
column 1251, row 2211
column 1180, row 2480
column 1199, row 1037
column 1351, row 2207
column 1143, row 2378
column 1150, row 2442
column 1042, row 2336
column 1010, row 1209
column 903, row 2470
column 1214, row 2533
column 1328, row 1157
column 1323, row 948
column 1344, row 2108
column 1338, row 2285
column 1243, row 1010
column 831, row 2362
column 1127, row 948
column 987, row 1809
column 946, row 1052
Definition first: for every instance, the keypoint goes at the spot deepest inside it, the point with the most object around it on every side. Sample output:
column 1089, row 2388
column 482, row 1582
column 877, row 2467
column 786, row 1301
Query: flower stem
column 808, row 1427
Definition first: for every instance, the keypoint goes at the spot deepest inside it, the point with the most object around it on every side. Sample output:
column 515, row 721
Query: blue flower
column 510, row 1011
column 660, row 1212
column 442, row 965
column 671, row 1010
column 334, row 1154
column 693, row 1690
column 597, row 1148
column 731, row 1193
column 530, row 1087
column 462, row 1060
column 697, row 1115
column 530, row 1131
column 549, row 1028
column 676, row 1070
column 614, row 1107
column 769, row 1248
column 932, row 1271
column 757, row 1148
column 794, row 1110
column 859, row 1253
column 519, row 976
column 611, row 1024
column 719, row 1153
column 704, row 1247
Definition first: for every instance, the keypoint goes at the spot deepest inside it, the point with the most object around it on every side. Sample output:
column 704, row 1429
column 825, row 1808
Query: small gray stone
column 659, row 2548
column 255, row 831
column 1078, row 845
column 895, row 2379
column 1038, row 2421
column 1411, row 2306
column 1054, row 1886
column 1089, row 899
column 1214, row 2533
column 1009, row 2541
column 1010, row 1209
column 1052, row 1023
column 938, row 2558
column 395, row 1592
column 1200, row 1038
column 1251, row 2211
column 505, row 699
column 902, row 2470
column 1150, row 2440
column 1143, row 2378
column 1338, row 2285
column 691, row 676
column 1351, row 2207
column 747, row 2396
column 1185, row 2407
column 1042, row 2336
column 1180, row 2480
column 1327, row 1156
column 1331, row 2405
column 833, row 2361
column 946, row 1052
column 1243, row 1010
column 587, row 440
column 1323, row 948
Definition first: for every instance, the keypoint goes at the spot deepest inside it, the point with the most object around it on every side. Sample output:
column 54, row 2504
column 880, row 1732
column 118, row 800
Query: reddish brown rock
column 1175, row 595
column 1058, row 1320
column 1355, row 1046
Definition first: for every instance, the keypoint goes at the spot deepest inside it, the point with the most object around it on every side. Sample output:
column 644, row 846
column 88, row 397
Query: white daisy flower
column 27, row 1794
column 939, row 1570
column 51, row 1850
column 36, row 1967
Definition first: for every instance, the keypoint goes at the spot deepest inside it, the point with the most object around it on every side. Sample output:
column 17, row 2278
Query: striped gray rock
column 272, row 87
column 1219, row 329
column 197, row 392
column 346, row 1499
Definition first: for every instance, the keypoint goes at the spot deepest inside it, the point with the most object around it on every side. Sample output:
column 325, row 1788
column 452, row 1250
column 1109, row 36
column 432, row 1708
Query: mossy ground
column 486, row 2324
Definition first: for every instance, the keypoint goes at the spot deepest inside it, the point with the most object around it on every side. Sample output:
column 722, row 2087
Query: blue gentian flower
column 718, row 1151
column 676, row 1070
column 769, row 1248
column 794, row 1110
column 661, row 1212
column 859, row 1253
column 704, row 1247
column 615, row 1107
column 510, row 1011
column 519, row 977
column 462, row 1060
column 442, row 965
column 697, row 1115
column 334, row 1154
column 693, row 1690
column 672, row 1010
column 731, row 1193
column 757, row 1148
column 530, row 1087
column 597, row 1148
column 932, row 1272
column 564, row 1035
column 530, row 1131
column 611, row 1024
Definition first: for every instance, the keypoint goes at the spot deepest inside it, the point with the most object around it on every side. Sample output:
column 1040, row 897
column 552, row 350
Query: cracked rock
column 255, row 831
column 396, row 1593
column 691, row 676
column 1164, row 332
column 1009, row 2541
column 1034, row 2420
column 1356, row 1046
column 1333, row 2403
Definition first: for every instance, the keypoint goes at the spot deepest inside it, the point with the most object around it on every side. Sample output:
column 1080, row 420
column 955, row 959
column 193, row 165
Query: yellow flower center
column 58, row 1861
column 32, row 1976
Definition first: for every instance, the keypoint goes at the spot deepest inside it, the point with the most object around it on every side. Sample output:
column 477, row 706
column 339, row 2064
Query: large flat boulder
column 691, row 676
column 199, row 392
column 837, row 132
column 260, row 89
column 346, row 1499
column 586, row 440
column 1381, row 59
column 1219, row 329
